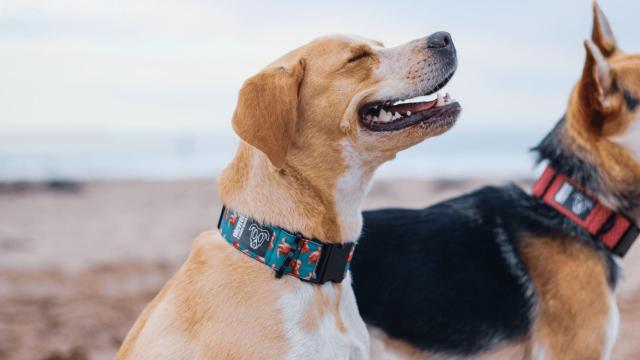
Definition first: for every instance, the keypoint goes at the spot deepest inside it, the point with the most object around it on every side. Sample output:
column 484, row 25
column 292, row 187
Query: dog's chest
column 324, row 323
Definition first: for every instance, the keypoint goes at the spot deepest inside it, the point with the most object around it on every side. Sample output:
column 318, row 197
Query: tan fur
column 601, row 33
column 336, row 312
column 304, row 164
column 571, row 282
column 275, row 116
column 386, row 348
column 207, row 296
column 127, row 347
column 575, row 302
column 597, row 113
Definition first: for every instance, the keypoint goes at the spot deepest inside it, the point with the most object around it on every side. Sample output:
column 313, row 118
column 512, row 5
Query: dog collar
column 614, row 230
column 285, row 252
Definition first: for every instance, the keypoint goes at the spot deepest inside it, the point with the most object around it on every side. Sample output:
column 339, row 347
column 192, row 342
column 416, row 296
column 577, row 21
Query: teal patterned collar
column 285, row 252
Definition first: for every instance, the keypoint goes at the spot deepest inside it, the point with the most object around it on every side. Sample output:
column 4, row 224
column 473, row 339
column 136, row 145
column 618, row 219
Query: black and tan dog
column 501, row 274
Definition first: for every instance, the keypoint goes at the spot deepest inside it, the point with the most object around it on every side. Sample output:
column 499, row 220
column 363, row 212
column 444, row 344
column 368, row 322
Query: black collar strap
column 285, row 252
column 614, row 230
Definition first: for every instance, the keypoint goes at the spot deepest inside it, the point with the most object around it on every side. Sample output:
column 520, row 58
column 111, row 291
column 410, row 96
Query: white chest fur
column 324, row 340
column 631, row 139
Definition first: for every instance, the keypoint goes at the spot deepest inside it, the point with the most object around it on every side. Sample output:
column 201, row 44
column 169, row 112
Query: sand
column 78, row 262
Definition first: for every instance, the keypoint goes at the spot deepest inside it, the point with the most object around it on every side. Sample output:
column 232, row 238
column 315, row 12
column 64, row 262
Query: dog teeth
column 385, row 116
column 448, row 99
column 440, row 101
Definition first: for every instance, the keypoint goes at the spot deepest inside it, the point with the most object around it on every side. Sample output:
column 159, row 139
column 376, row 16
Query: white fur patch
column 326, row 341
column 392, row 71
column 406, row 72
column 630, row 140
column 611, row 328
column 538, row 352
column 351, row 189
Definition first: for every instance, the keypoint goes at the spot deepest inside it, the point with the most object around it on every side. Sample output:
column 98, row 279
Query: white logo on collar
column 580, row 205
column 573, row 200
column 237, row 231
column 563, row 194
column 257, row 237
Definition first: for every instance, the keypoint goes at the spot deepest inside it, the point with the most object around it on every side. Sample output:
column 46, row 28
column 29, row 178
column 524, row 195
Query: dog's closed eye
column 359, row 54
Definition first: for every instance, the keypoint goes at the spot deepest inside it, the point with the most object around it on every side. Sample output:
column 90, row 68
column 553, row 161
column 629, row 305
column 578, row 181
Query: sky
column 175, row 67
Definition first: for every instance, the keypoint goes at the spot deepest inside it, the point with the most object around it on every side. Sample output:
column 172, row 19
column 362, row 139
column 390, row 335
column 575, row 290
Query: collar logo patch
column 241, row 222
column 257, row 237
column 574, row 201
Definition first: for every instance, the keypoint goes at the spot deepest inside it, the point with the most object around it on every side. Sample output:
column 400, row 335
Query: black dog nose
column 439, row 40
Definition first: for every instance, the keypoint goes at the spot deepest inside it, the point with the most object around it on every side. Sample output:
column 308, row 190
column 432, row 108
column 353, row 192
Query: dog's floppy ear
column 601, row 34
column 266, row 114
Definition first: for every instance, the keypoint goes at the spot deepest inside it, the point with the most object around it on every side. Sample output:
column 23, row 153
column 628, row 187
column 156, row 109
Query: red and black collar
column 613, row 229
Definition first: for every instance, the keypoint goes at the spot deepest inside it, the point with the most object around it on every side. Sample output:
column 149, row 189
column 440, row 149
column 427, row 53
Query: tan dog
column 315, row 124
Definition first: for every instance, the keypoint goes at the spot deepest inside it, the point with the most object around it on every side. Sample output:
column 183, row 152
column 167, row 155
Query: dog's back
column 451, row 277
column 433, row 255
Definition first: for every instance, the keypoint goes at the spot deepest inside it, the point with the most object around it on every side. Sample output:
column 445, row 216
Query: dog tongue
column 412, row 107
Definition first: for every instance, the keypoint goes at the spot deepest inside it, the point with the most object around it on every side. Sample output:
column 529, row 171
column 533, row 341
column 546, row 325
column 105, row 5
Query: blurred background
column 115, row 119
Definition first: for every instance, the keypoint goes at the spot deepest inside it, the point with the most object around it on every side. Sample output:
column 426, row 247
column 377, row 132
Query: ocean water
column 152, row 156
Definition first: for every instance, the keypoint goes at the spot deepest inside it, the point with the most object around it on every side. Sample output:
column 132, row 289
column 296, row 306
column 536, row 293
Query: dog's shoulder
column 206, row 240
column 209, row 308
column 210, row 251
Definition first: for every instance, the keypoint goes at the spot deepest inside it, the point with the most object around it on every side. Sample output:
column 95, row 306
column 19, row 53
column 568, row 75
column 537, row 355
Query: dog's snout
column 439, row 40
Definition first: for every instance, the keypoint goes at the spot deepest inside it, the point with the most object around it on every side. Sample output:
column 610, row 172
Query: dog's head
column 339, row 93
column 604, row 109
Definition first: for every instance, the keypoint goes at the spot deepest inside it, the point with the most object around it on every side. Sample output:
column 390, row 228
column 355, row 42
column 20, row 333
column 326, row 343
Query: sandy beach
column 79, row 261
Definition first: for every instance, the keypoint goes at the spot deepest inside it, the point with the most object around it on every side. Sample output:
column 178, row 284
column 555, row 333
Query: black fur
column 449, row 278
column 630, row 100
column 568, row 161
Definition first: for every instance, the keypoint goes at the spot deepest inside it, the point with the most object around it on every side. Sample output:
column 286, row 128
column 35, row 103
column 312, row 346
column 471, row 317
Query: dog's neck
column 287, row 198
column 568, row 157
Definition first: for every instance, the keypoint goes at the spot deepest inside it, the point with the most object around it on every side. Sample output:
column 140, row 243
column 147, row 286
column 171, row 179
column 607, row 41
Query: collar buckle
column 333, row 263
column 624, row 244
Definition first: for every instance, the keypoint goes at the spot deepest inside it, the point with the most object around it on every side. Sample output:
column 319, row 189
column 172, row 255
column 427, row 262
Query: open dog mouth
column 392, row 115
